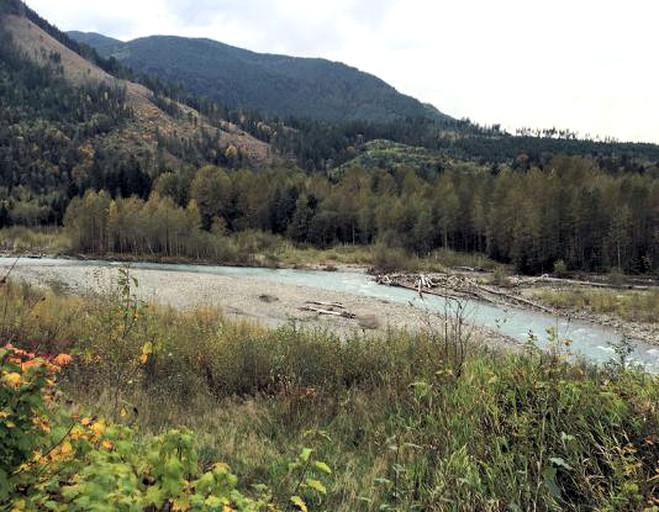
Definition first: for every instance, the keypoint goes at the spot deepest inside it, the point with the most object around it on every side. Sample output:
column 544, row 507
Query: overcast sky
column 590, row 66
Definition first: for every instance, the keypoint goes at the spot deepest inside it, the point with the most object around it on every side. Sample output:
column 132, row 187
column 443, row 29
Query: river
column 592, row 341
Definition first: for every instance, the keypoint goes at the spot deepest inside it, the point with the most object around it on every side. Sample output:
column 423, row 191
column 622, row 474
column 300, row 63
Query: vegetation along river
column 593, row 341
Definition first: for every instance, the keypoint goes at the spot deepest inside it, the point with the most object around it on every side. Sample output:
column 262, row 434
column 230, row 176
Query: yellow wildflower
column 19, row 505
column 13, row 379
column 97, row 428
column 38, row 457
column 41, row 423
column 77, row 433
column 63, row 451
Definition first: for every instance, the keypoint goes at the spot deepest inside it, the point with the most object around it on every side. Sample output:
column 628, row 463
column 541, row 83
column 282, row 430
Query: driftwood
column 384, row 279
column 327, row 308
column 326, row 304
column 628, row 285
column 455, row 286
column 517, row 299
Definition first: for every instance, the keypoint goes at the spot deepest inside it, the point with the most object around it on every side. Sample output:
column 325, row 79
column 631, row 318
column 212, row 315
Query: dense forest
column 574, row 211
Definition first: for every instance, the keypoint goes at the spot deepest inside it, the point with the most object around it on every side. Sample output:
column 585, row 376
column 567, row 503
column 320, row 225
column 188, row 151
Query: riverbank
column 273, row 303
column 252, row 299
column 567, row 298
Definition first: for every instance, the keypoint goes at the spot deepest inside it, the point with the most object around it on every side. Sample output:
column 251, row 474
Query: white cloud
column 583, row 64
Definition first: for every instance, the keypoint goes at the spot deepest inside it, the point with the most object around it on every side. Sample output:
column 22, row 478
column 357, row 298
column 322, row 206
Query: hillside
column 67, row 125
column 333, row 107
column 102, row 44
column 149, row 120
column 274, row 84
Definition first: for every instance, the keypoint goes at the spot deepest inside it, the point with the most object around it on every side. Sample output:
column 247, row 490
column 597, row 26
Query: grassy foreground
column 402, row 421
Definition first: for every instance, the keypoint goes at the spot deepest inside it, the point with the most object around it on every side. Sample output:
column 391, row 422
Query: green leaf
column 205, row 483
column 299, row 503
column 214, row 502
column 316, row 485
column 4, row 484
column 557, row 461
column 322, row 467
column 155, row 496
column 549, row 475
column 567, row 437
column 305, row 454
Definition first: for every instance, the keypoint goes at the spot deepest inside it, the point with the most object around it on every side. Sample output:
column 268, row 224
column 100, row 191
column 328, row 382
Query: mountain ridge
column 275, row 84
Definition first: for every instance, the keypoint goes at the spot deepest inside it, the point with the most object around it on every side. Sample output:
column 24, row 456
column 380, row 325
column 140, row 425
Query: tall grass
column 20, row 239
column 404, row 424
column 629, row 305
column 259, row 248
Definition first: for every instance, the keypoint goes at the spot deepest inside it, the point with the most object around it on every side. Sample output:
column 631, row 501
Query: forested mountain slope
column 333, row 108
column 273, row 84
column 67, row 125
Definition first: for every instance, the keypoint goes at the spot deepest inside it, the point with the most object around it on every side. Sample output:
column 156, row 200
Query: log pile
column 458, row 286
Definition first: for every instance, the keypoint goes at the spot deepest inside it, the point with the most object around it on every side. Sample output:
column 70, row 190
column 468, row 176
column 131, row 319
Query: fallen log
column 321, row 311
column 326, row 304
column 516, row 299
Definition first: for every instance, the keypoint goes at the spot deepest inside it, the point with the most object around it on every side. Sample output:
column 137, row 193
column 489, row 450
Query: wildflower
column 62, row 452
column 13, row 379
column 77, row 433
column 66, row 449
column 21, row 353
column 38, row 457
column 29, row 364
column 41, row 423
column 98, row 428
column 62, row 359
column 19, row 505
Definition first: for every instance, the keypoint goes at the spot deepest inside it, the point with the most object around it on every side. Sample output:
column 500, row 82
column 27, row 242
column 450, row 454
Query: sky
column 586, row 65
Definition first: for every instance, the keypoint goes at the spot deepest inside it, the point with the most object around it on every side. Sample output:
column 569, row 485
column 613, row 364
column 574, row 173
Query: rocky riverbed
column 249, row 298
column 272, row 302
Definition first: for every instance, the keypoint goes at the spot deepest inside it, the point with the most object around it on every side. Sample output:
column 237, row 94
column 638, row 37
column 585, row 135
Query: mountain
column 273, row 84
column 102, row 44
column 67, row 125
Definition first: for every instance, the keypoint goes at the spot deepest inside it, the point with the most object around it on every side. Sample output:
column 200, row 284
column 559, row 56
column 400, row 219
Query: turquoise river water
column 591, row 340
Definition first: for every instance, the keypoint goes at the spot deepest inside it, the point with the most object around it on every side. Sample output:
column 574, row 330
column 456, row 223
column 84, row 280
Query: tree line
column 573, row 212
